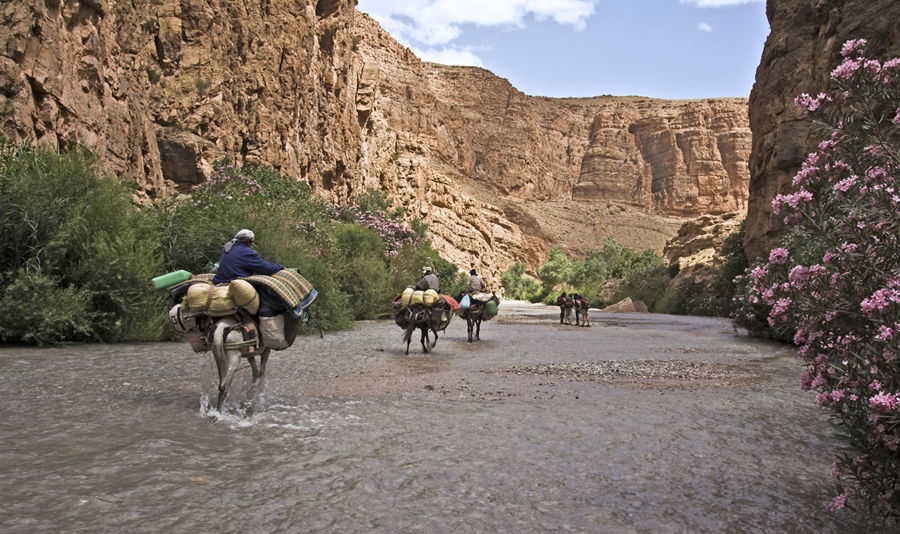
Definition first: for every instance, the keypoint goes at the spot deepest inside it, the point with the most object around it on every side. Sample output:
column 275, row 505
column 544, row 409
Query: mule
column 582, row 317
column 420, row 317
column 229, row 347
column 474, row 315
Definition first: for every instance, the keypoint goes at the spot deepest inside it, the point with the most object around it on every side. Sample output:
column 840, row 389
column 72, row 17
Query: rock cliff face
column 163, row 88
column 801, row 50
column 698, row 245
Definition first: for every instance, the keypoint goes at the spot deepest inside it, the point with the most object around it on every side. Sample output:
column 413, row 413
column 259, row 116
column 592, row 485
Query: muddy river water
column 350, row 435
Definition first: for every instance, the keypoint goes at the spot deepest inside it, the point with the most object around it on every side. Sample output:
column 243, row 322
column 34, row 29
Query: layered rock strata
column 802, row 48
column 317, row 90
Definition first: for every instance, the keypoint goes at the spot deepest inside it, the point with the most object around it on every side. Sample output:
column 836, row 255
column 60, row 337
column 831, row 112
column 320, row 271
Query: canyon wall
column 161, row 89
column 802, row 48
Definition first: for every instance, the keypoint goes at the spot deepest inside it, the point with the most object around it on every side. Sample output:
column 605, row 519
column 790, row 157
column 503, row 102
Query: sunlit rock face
column 162, row 89
column 802, row 48
column 697, row 248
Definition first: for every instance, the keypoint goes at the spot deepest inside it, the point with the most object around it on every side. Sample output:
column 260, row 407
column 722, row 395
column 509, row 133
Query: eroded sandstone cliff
column 163, row 88
column 802, row 48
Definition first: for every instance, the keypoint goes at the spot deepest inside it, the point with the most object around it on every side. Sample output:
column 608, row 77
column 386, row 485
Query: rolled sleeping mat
column 244, row 295
column 406, row 296
column 430, row 297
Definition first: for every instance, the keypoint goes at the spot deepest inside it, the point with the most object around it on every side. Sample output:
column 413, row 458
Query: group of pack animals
column 234, row 334
column 573, row 306
column 435, row 318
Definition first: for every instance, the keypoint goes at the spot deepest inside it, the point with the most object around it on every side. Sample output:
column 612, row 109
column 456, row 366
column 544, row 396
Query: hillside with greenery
column 77, row 255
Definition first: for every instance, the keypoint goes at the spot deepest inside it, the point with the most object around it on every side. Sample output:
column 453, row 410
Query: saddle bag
column 197, row 339
column 250, row 341
column 274, row 332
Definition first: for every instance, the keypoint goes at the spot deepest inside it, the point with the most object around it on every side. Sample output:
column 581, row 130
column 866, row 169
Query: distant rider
column 429, row 280
column 474, row 282
column 239, row 260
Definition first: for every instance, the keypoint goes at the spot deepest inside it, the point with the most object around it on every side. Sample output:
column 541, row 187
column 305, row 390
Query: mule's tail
column 410, row 327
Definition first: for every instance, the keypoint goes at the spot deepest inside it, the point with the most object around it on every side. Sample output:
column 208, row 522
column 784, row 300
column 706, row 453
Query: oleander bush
column 833, row 283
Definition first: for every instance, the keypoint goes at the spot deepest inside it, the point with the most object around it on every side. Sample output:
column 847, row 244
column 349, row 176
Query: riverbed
column 640, row 423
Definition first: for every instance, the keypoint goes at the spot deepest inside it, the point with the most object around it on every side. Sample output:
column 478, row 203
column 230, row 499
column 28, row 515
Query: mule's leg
column 253, row 367
column 263, row 358
column 424, row 338
column 478, row 329
column 469, row 326
column 433, row 343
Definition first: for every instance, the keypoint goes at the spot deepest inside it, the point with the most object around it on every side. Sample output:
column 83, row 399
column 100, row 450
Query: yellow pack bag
column 406, row 296
column 430, row 297
column 244, row 295
column 417, row 297
column 214, row 300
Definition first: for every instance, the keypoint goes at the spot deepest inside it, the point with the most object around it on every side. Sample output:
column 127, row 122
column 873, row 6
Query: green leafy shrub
column 63, row 222
column 516, row 285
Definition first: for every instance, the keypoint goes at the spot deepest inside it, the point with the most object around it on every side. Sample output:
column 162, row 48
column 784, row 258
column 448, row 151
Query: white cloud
column 704, row 27
column 719, row 3
column 437, row 22
column 449, row 56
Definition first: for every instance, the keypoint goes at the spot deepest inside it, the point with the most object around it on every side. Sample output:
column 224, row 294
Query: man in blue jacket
column 239, row 260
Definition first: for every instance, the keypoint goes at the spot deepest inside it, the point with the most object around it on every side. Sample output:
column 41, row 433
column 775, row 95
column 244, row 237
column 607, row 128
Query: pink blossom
column 838, row 502
column 778, row 256
column 896, row 119
column 809, row 103
column 846, row 69
column 837, row 395
column 884, row 402
column 885, row 333
column 845, row 184
column 852, row 45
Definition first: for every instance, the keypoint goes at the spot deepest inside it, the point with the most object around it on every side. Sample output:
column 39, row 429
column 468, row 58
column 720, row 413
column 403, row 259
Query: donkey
column 229, row 346
column 582, row 317
column 413, row 317
column 474, row 315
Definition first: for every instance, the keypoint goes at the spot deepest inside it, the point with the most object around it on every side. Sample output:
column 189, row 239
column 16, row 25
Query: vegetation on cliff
column 76, row 254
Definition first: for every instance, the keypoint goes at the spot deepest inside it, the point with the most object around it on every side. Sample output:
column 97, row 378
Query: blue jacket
column 241, row 261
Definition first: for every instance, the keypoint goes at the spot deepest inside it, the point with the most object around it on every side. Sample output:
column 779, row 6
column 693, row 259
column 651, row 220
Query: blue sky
column 673, row 49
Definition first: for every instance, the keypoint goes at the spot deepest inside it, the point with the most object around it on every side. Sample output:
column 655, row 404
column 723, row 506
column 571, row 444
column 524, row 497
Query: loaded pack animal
column 236, row 330
column 582, row 317
column 412, row 312
column 566, row 305
column 476, row 310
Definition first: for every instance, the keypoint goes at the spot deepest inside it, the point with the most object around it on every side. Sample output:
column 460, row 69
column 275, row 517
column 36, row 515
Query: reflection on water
column 350, row 435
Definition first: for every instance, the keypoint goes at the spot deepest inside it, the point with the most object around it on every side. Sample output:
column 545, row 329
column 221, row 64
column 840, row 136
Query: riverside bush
column 75, row 253
column 516, row 285
column 834, row 280
column 589, row 277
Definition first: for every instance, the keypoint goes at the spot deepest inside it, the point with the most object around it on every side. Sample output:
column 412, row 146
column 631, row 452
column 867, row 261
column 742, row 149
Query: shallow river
column 351, row 435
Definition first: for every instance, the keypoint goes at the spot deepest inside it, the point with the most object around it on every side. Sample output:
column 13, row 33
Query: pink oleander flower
column 885, row 333
column 811, row 103
column 896, row 119
column 837, row 395
column 884, row 402
column 778, row 256
column 846, row 70
column 838, row 502
column 845, row 184
column 836, row 470
column 853, row 45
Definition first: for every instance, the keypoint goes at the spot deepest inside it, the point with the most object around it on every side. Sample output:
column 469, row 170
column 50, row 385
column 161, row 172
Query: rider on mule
column 239, row 260
column 474, row 282
column 429, row 280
